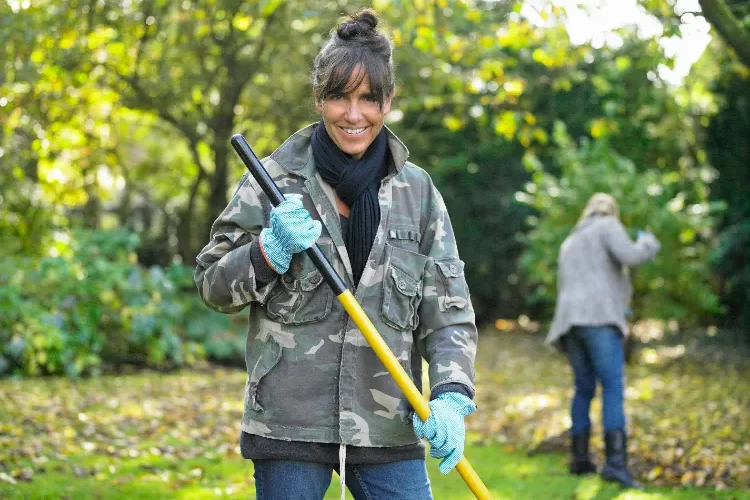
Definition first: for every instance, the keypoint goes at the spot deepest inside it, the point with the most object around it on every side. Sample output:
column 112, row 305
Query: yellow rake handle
column 404, row 382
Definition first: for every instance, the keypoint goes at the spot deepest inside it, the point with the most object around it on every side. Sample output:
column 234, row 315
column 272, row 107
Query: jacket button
column 453, row 268
column 316, row 279
column 401, row 284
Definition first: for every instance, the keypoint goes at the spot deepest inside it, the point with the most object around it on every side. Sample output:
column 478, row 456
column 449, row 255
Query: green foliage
column 91, row 303
column 678, row 284
column 118, row 115
column 729, row 149
column 459, row 164
column 25, row 216
column 732, row 260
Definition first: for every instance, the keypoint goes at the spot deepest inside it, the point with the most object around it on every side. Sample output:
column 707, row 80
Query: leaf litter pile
column 689, row 418
column 113, row 424
column 688, row 414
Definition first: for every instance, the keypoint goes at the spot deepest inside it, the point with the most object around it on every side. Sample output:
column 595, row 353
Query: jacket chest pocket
column 407, row 238
column 402, row 287
column 301, row 296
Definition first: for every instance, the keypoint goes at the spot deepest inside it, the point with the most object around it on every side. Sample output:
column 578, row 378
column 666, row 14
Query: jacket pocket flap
column 311, row 281
column 403, row 282
column 451, row 268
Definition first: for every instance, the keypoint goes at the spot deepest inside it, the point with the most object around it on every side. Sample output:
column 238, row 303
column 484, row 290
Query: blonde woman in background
column 589, row 325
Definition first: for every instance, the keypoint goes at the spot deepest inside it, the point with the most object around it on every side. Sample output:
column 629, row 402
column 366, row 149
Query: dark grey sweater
column 260, row 448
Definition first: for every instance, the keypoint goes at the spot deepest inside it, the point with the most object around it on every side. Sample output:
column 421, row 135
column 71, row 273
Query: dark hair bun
column 365, row 21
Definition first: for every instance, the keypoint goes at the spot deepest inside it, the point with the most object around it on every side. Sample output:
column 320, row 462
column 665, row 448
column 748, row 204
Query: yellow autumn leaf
column 397, row 37
column 541, row 135
column 68, row 39
column 242, row 22
column 515, row 86
column 602, row 127
column 506, row 125
column 452, row 123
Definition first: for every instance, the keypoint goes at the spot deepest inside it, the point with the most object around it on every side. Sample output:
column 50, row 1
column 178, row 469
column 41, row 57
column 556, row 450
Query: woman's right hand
column 292, row 230
column 648, row 239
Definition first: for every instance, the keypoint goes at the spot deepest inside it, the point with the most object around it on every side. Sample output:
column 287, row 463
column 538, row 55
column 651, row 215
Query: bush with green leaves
column 732, row 261
column 678, row 284
column 92, row 304
column 729, row 149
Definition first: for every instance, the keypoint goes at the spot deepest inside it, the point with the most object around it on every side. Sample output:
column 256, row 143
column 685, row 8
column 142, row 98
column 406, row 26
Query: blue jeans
column 596, row 353
column 290, row 480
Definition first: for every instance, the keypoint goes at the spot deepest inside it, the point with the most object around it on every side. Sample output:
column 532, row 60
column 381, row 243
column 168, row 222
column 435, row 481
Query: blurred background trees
column 114, row 155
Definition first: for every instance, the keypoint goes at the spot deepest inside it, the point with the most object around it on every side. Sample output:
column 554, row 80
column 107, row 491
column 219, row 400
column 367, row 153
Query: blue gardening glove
column 292, row 230
column 444, row 429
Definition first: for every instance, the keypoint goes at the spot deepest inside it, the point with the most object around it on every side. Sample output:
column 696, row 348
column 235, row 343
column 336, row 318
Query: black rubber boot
column 580, row 461
column 616, row 468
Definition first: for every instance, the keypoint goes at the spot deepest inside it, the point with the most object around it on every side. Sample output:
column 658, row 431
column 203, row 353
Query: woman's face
column 354, row 118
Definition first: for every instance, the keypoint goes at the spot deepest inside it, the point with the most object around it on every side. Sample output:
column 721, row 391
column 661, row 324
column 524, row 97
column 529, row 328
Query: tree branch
column 153, row 104
column 249, row 66
column 201, row 176
column 144, row 38
column 728, row 26
column 231, row 91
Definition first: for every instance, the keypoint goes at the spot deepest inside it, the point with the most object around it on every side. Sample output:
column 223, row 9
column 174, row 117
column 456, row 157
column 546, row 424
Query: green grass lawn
column 507, row 475
column 156, row 436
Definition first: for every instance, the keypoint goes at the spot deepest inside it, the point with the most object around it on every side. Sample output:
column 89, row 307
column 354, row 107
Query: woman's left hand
column 444, row 429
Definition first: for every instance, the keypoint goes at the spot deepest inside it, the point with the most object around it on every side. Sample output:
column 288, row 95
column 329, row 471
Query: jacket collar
column 295, row 154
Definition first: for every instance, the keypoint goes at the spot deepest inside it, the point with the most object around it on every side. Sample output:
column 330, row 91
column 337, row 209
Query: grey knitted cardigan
column 593, row 288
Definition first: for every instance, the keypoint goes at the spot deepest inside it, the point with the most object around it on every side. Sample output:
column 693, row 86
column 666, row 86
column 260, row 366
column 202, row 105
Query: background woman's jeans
column 596, row 353
column 289, row 480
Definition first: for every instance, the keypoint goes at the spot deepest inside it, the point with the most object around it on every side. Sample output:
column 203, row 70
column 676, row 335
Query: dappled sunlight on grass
column 155, row 436
column 662, row 354
column 651, row 329
column 639, row 495
column 587, row 489
column 520, row 469
column 689, row 419
column 200, row 492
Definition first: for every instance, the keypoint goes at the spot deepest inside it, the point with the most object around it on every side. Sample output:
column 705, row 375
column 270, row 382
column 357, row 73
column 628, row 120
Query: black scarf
column 357, row 183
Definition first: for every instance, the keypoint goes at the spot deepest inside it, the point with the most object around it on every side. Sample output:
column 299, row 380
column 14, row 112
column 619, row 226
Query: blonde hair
column 601, row 204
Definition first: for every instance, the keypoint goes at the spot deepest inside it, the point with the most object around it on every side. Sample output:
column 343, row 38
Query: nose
column 353, row 113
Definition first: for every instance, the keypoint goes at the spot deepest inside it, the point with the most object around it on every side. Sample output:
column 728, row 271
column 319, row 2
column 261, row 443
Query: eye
column 336, row 96
column 370, row 98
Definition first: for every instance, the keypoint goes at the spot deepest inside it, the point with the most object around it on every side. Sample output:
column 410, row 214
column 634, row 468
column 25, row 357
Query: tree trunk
column 217, row 198
column 729, row 28
column 188, row 246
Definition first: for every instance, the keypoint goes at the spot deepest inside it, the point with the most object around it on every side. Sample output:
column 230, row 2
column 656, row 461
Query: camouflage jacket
column 311, row 375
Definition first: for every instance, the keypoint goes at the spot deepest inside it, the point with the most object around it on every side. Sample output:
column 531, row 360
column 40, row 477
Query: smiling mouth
column 353, row 131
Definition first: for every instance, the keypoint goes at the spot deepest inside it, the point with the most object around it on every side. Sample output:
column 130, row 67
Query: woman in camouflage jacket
column 317, row 397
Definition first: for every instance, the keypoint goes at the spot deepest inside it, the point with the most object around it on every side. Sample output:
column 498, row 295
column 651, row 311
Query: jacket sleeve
column 624, row 250
column 225, row 276
column 447, row 334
